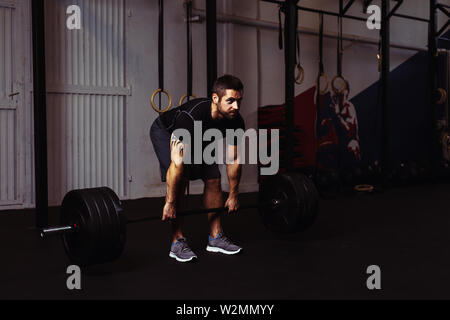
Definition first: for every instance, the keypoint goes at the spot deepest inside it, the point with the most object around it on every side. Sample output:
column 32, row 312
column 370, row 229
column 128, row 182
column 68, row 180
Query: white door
column 11, row 103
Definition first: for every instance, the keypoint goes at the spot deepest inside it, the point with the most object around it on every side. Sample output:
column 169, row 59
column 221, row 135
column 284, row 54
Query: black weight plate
column 309, row 196
column 80, row 245
column 118, row 223
column 100, row 217
column 102, row 205
column 301, row 212
column 88, row 208
column 114, row 226
column 312, row 198
column 285, row 218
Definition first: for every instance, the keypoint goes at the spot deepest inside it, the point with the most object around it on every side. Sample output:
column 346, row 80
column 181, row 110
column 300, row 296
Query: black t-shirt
column 183, row 117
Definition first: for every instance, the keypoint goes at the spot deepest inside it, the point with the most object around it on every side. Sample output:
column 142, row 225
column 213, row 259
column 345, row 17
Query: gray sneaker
column 181, row 251
column 222, row 244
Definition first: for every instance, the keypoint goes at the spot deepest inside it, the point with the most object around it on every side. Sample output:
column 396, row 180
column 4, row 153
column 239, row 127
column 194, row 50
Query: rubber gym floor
column 404, row 231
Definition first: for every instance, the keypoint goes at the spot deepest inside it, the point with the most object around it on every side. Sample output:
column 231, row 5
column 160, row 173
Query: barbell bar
column 58, row 230
column 93, row 224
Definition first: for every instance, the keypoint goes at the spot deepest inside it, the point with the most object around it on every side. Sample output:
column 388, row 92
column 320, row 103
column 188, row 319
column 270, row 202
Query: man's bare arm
column 234, row 176
column 173, row 179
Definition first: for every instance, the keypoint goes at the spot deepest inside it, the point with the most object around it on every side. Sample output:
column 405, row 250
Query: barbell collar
column 53, row 231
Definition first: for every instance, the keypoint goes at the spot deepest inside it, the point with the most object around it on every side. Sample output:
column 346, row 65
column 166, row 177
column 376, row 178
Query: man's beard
column 224, row 114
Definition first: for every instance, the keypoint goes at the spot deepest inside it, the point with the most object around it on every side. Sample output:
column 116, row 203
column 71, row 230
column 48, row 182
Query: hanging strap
column 321, row 67
column 188, row 94
column 340, row 48
column 161, row 47
column 189, row 47
column 297, row 58
column 280, row 29
column 340, row 51
column 160, row 64
column 300, row 76
column 379, row 57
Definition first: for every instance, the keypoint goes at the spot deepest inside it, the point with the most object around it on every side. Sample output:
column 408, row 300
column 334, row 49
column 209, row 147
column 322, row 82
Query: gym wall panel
column 86, row 95
column 9, row 162
column 8, row 176
column 98, row 127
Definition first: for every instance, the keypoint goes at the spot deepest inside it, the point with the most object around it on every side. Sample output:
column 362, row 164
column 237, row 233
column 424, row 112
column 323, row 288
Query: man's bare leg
column 175, row 197
column 212, row 198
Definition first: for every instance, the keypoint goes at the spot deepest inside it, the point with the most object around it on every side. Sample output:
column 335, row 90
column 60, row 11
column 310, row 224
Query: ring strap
column 321, row 67
column 297, row 45
column 160, row 55
column 189, row 47
column 161, row 45
column 340, row 48
column 280, row 29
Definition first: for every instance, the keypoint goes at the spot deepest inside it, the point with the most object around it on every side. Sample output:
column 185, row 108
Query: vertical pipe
column 40, row 114
column 161, row 47
column 432, row 82
column 385, row 66
column 211, row 44
column 290, row 30
column 189, row 49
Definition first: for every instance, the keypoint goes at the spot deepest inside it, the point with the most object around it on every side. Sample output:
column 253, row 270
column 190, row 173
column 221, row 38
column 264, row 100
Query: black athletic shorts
column 161, row 143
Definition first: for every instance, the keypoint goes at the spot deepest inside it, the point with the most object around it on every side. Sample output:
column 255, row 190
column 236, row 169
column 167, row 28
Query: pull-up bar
column 347, row 7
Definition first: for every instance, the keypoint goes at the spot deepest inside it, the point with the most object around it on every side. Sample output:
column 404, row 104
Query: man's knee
column 213, row 185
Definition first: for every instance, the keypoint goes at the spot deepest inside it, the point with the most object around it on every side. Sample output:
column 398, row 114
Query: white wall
column 16, row 157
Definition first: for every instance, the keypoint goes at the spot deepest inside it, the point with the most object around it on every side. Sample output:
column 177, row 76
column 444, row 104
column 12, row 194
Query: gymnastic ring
column 443, row 96
column 364, row 188
column 301, row 74
column 152, row 100
column 326, row 82
column 446, row 140
column 184, row 96
column 334, row 87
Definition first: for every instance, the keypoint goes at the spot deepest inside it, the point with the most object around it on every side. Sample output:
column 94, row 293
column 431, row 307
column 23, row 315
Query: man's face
column 229, row 105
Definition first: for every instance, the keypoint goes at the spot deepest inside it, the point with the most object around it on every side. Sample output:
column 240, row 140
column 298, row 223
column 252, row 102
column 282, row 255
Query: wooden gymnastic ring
column 184, row 96
column 446, row 140
column 334, row 87
column 326, row 82
column 364, row 188
column 301, row 74
column 152, row 100
column 443, row 96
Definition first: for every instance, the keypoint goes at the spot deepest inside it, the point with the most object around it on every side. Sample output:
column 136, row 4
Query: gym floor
column 405, row 231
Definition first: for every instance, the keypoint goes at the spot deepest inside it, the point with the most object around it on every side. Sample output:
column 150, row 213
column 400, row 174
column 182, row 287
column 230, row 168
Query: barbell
column 93, row 224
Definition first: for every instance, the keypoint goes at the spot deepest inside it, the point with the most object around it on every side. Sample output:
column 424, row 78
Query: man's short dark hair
column 227, row 82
